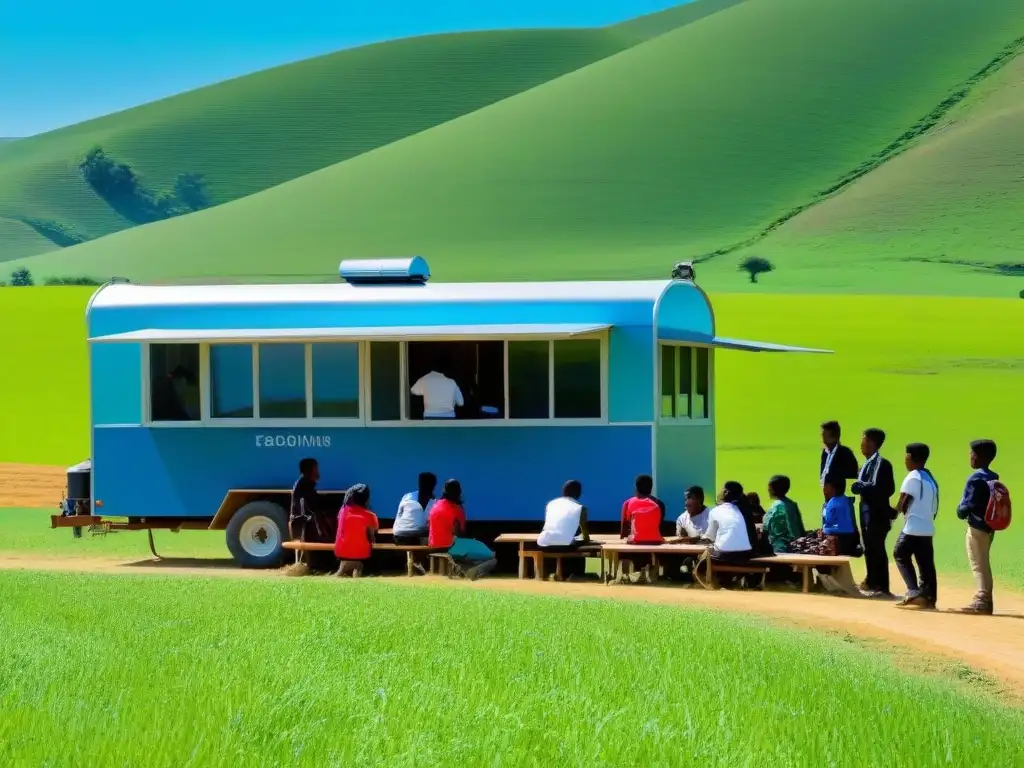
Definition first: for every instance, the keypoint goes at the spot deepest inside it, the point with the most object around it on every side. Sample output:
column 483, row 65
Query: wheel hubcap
column 259, row 536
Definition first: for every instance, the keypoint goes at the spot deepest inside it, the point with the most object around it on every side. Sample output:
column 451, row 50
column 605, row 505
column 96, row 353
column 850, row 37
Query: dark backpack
column 998, row 511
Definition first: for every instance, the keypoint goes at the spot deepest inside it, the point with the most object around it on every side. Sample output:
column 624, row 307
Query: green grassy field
column 256, row 131
column 320, row 672
column 924, row 369
column 692, row 141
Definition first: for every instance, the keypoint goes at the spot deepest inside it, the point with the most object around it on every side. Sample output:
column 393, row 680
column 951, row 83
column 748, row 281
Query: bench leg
column 807, row 578
column 538, row 566
column 558, row 569
column 522, row 561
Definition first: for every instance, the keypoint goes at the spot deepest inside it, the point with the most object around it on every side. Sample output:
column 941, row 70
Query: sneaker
column 418, row 567
column 978, row 609
column 912, row 600
column 647, row 574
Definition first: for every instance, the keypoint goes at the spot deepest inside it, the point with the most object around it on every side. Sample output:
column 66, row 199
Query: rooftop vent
column 412, row 271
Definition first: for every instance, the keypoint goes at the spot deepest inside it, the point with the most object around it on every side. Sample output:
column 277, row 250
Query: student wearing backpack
column 973, row 507
column 919, row 503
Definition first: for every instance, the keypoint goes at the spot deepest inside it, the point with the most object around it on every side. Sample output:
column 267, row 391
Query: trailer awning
column 719, row 342
column 380, row 333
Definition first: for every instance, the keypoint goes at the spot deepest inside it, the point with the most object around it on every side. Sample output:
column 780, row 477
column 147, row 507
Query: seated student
column 838, row 533
column 694, row 520
column 642, row 515
column 782, row 522
column 411, row 519
column 447, row 523
column 357, row 528
column 730, row 527
column 306, row 521
column 755, row 508
column 563, row 518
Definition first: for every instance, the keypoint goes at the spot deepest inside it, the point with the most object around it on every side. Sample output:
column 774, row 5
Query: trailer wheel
column 255, row 533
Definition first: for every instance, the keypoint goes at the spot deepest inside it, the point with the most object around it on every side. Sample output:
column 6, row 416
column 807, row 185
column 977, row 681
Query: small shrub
column 71, row 281
column 21, row 277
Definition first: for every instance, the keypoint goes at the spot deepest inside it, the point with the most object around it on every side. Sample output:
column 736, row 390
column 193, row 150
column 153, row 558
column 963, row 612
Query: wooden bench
column 614, row 550
column 410, row 550
column 806, row 564
column 529, row 554
column 711, row 569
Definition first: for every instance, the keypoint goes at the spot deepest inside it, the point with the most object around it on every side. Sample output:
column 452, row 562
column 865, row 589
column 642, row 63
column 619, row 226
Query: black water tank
column 80, row 481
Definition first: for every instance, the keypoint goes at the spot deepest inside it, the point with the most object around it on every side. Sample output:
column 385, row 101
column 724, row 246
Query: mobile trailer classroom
column 205, row 398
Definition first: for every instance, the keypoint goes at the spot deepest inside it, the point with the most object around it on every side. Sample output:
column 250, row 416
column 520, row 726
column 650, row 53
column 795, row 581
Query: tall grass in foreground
column 147, row 671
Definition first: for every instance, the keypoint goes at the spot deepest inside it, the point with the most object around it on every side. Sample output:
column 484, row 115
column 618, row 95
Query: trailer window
column 385, row 381
column 231, row 381
column 685, row 374
column 577, row 371
column 477, row 367
column 335, row 381
column 529, row 392
column 174, row 393
column 282, row 381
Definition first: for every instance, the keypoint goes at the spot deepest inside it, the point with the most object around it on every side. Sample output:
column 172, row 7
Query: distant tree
column 21, row 277
column 756, row 265
column 190, row 189
column 1022, row 294
column 107, row 176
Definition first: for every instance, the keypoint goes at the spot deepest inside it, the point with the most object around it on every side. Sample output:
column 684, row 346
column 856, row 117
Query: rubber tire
column 254, row 508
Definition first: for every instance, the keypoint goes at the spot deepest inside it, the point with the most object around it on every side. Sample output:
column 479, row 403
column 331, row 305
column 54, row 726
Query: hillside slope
column 256, row 131
column 956, row 196
column 693, row 140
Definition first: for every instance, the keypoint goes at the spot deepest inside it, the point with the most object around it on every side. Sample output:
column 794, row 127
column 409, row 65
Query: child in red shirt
column 448, row 517
column 357, row 527
column 642, row 516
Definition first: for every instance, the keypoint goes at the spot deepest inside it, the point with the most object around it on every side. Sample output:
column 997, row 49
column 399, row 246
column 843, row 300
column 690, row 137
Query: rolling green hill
column 690, row 142
column 954, row 197
column 253, row 132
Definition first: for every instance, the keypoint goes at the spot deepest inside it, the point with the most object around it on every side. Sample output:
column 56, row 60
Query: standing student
column 414, row 508
column 836, row 458
column 357, row 529
column 783, row 523
column 304, row 523
column 875, row 486
column 919, row 503
column 980, row 535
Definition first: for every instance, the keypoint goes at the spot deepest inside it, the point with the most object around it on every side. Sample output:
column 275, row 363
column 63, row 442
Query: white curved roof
column 131, row 295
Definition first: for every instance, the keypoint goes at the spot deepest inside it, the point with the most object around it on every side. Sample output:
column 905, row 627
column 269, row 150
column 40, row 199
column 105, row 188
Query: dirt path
column 32, row 486
column 991, row 644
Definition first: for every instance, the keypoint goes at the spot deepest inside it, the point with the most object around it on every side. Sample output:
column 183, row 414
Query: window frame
column 365, row 374
column 685, row 420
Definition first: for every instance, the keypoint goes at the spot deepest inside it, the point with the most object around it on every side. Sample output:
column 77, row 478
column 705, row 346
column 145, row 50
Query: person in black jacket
column 836, row 458
column 875, row 486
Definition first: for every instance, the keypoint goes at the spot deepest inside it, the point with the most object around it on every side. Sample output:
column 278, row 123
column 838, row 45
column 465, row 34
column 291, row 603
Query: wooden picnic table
column 324, row 546
column 843, row 573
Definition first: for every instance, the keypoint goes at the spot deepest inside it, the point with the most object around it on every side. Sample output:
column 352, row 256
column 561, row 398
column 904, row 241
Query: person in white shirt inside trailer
column 440, row 395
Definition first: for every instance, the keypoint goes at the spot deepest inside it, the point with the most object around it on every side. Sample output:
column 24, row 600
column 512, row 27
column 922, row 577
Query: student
column 563, row 517
column 447, row 519
column 440, row 395
column 447, row 532
column 694, row 520
column 642, row 514
column 357, row 528
column 410, row 526
column 690, row 525
column 783, row 523
column 304, row 523
column 875, row 486
column 838, row 523
column 980, row 535
column 836, row 458
column 730, row 531
column 919, row 503
column 755, row 508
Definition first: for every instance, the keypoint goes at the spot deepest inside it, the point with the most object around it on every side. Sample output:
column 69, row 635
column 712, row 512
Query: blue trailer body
column 652, row 343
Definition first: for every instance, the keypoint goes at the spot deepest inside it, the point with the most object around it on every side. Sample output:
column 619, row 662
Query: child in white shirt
column 919, row 503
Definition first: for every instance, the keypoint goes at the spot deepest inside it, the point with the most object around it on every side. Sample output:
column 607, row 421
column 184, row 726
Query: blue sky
column 63, row 61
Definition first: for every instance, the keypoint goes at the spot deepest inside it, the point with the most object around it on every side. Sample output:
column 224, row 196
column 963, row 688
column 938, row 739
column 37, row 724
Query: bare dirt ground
column 992, row 644
column 910, row 637
column 31, row 485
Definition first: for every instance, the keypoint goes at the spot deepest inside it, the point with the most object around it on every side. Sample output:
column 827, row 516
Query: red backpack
column 997, row 513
